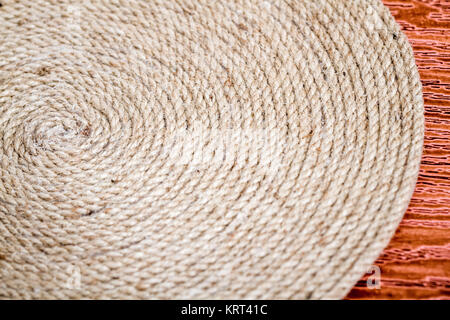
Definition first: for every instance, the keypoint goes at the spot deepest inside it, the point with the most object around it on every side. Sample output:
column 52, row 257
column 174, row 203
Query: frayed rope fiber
column 200, row 149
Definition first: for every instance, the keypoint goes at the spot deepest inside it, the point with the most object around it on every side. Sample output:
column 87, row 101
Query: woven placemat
column 201, row 149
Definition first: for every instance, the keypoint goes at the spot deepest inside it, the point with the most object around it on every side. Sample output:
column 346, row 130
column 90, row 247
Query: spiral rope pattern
column 201, row 149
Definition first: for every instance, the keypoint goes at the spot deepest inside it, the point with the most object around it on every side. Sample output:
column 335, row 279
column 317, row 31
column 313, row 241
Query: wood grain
column 416, row 264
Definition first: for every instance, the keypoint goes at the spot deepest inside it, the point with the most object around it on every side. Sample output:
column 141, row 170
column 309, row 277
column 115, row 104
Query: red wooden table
column 416, row 264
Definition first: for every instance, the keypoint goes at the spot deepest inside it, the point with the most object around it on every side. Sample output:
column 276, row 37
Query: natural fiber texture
column 201, row 149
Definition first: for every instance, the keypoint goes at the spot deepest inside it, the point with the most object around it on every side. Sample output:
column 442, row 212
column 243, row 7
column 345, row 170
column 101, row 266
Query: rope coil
column 201, row 149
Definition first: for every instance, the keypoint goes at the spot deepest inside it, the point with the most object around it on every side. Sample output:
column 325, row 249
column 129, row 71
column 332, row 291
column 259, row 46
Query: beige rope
column 201, row 149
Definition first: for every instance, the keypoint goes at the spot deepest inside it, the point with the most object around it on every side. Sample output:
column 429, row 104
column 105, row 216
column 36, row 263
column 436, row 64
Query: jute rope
column 201, row 149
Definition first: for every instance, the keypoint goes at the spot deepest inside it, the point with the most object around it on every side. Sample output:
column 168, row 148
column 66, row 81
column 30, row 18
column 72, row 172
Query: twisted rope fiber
column 201, row 149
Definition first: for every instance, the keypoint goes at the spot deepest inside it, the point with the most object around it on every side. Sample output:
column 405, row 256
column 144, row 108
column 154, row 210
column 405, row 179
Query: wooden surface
column 416, row 264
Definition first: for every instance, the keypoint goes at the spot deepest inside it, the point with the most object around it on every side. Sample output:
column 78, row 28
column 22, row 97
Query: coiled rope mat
column 201, row 149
